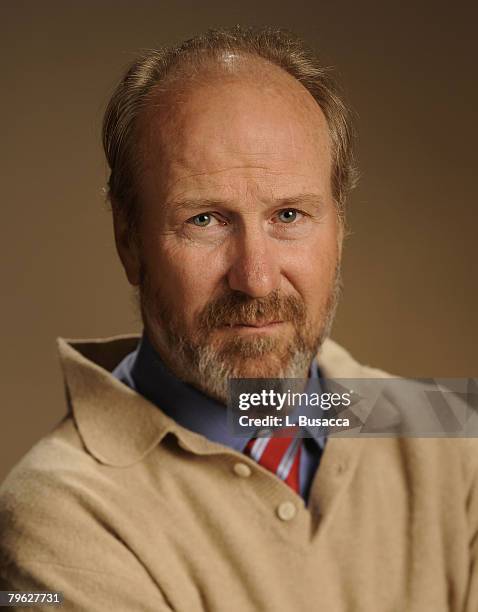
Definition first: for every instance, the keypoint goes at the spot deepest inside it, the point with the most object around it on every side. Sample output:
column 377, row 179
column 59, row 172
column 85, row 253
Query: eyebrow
column 304, row 198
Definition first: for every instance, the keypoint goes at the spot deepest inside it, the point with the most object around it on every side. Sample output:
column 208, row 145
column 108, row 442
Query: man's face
column 240, row 240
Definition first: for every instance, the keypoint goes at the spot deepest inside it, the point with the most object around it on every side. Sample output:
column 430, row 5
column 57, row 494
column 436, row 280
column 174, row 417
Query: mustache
column 235, row 308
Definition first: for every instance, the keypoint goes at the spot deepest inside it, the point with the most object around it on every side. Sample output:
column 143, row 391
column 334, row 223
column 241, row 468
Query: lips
column 253, row 324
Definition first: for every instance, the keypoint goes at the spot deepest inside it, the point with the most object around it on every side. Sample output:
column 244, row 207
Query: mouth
column 255, row 326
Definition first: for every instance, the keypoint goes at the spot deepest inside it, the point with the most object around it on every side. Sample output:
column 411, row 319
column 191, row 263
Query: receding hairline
column 202, row 64
column 204, row 70
column 165, row 100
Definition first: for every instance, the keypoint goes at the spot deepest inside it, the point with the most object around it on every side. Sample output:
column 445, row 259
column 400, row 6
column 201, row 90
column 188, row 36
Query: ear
column 126, row 245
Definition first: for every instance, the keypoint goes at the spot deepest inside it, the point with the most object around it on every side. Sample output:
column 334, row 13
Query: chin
column 256, row 368
column 271, row 366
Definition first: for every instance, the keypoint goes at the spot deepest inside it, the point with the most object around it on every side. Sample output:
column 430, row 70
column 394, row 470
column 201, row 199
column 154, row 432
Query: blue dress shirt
column 144, row 371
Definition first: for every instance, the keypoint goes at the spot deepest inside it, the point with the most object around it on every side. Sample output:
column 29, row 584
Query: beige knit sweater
column 120, row 508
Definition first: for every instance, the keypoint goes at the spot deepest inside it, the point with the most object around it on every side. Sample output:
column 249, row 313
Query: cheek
column 312, row 272
column 186, row 278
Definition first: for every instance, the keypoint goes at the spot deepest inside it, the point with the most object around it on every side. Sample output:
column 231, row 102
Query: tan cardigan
column 120, row 508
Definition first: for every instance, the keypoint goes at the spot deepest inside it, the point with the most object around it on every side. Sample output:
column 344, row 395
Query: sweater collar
column 119, row 426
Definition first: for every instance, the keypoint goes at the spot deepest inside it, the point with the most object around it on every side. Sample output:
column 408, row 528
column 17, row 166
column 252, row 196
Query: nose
column 254, row 268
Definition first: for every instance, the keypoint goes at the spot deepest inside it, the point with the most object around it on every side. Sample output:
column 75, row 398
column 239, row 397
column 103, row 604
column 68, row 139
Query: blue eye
column 288, row 215
column 201, row 220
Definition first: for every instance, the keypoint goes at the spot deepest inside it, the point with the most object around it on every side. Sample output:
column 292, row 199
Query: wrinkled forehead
column 236, row 109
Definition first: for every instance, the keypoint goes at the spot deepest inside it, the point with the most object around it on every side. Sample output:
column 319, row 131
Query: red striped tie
column 280, row 455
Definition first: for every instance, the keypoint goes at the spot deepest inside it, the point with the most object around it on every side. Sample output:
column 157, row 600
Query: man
column 230, row 162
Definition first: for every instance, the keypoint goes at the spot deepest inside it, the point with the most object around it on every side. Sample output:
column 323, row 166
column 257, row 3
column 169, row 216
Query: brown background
column 409, row 70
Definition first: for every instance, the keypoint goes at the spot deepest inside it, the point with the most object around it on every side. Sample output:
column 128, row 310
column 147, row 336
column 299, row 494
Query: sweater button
column 286, row 511
column 242, row 470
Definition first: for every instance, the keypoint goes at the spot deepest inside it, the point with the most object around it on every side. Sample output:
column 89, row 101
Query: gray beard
column 209, row 368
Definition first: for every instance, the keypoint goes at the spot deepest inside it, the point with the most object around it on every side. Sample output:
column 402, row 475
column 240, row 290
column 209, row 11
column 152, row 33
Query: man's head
column 229, row 174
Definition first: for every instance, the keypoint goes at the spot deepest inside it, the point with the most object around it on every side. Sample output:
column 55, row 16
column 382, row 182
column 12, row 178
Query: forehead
column 259, row 124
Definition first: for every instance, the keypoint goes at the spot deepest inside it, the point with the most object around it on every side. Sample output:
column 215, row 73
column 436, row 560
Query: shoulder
column 59, row 513
column 420, row 407
column 337, row 362
column 44, row 505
